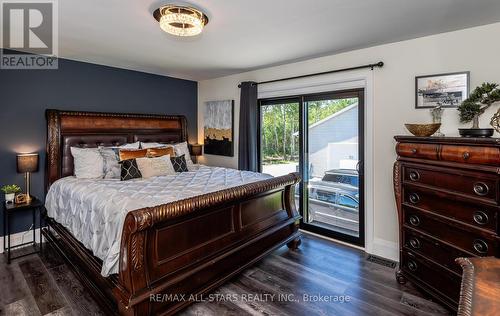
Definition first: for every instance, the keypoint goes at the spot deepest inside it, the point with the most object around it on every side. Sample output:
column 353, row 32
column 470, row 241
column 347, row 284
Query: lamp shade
column 27, row 163
column 196, row 149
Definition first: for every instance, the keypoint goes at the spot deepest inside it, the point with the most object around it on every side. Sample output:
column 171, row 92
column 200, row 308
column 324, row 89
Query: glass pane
column 332, row 177
column 280, row 138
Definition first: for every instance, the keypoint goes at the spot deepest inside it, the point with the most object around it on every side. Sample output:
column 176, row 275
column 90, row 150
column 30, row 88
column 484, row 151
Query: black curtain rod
column 371, row 66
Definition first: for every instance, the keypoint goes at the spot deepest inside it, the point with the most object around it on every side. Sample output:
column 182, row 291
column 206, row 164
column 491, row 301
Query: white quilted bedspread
column 94, row 210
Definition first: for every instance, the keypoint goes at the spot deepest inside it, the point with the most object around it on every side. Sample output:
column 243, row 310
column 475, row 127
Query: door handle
column 359, row 167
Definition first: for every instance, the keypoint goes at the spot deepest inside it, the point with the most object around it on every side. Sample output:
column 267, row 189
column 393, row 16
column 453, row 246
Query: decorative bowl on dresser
column 447, row 193
column 423, row 129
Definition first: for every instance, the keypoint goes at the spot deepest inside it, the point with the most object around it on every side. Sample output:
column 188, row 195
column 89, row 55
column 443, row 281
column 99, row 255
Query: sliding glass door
column 333, row 178
column 320, row 136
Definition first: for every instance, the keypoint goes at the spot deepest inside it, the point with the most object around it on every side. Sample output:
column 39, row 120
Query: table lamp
column 196, row 150
column 27, row 163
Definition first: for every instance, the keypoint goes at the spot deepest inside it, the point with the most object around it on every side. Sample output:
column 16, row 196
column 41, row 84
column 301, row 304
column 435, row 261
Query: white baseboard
column 20, row 238
column 385, row 249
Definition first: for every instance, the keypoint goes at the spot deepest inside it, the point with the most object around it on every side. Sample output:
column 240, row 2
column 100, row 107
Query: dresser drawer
column 478, row 185
column 478, row 243
column 441, row 280
column 433, row 249
column 414, row 150
column 471, row 154
column 479, row 215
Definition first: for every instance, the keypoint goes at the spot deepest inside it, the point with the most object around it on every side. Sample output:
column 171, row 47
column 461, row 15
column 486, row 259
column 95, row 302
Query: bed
column 186, row 242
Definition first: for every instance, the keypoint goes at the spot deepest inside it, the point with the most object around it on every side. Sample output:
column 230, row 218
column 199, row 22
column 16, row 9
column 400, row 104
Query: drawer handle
column 480, row 217
column 480, row 188
column 480, row 246
column 414, row 175
column 414, row 151
column 415, row 243
column 466, row 155
column 414, row 220
column 412, row 265
column 414, row 198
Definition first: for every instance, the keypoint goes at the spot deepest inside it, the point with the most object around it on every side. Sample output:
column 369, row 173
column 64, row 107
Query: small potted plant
column 474, row 106
column 10, row 191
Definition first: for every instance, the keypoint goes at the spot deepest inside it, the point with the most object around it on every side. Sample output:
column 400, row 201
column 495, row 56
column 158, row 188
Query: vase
column 495, row 121
column 9, row 197
column 437, row 113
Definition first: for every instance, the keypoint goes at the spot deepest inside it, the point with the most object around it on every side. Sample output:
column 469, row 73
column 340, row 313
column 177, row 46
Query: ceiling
column 249, row 34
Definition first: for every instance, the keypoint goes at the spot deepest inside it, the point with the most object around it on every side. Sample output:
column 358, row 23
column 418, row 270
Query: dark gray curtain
column 247, row 150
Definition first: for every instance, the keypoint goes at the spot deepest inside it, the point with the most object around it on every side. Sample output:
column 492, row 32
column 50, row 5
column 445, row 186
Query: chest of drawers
column 448, row 199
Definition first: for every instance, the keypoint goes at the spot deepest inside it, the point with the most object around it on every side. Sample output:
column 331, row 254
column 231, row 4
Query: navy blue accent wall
column 25, row 94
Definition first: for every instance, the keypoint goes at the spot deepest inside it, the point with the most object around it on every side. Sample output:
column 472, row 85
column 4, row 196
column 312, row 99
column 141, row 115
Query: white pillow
column 154, row 145
column 183, row 149
column 130, row 146
column 112, row 168
column 88, row 163
column 154, row 167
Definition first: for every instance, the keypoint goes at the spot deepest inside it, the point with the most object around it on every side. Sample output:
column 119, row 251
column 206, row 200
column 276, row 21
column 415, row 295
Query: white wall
column 472, row 49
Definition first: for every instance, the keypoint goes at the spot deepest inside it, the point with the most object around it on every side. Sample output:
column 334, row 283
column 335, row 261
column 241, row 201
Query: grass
column 275, row 161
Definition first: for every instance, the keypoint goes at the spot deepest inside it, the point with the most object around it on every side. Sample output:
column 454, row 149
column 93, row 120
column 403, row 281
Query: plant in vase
column 437, row 114
column 474, row 106
column 10, row 191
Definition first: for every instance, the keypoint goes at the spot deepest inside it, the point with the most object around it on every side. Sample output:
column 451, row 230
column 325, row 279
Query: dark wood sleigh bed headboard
column 66, row 129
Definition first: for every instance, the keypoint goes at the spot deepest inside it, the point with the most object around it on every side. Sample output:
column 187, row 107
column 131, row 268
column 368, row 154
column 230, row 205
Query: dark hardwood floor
column 284, row 283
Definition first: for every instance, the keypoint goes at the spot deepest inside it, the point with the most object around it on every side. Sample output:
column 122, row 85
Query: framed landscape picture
column 446, row 90
column 219, row 128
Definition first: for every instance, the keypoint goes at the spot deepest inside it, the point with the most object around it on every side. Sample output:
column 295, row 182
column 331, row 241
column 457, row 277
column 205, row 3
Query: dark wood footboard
column 193, row 245
column 188, row 247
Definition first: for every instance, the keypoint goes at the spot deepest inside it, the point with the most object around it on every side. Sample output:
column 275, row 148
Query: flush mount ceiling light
column 180, row 20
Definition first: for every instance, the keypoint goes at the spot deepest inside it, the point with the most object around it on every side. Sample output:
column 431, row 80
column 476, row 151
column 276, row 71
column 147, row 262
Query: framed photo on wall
column 219, row 128
column 447, row 90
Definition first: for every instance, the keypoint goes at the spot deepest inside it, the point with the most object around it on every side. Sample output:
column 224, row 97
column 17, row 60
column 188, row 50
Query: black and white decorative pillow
column 179, row 163
column 183, row 149
column 129, row 170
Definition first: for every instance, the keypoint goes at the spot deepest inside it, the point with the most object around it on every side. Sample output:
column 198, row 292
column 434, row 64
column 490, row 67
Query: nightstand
column 9, row 210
